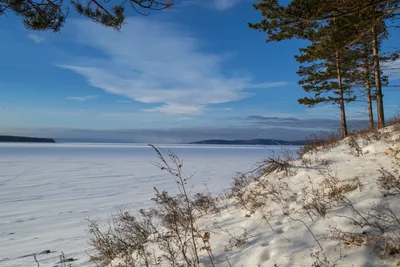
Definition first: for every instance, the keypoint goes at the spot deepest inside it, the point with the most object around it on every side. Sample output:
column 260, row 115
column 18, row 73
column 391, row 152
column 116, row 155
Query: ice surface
column 48, row 190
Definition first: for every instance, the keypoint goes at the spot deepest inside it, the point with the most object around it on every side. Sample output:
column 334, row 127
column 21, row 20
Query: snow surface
column 45, row 207
column 48, row 190
column 292, row 239
column 290, row 243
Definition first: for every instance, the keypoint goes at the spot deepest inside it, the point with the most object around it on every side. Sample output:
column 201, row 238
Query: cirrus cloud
column 160, row 64
column 82, row 98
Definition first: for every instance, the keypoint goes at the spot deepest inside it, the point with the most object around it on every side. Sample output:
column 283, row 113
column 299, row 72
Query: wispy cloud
column 119, row 114
column 175, row 74
column 309, row 124
column 82, row 98
column 225, row 4
column 392, row 69
column 36, row 38
column 216, row 4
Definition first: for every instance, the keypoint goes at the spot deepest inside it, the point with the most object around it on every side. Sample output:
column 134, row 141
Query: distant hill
column 20, row 139
column 267, row 142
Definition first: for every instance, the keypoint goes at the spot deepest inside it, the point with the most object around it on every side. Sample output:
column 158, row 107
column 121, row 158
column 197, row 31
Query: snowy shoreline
column 333, row 207
column 307, row 214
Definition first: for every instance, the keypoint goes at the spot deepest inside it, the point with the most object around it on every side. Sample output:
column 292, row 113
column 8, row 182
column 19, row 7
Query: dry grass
column 321, row 142
column 389, row 182
column 171, row 225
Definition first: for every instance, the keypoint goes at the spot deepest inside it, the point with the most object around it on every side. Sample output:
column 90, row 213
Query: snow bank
column 337, row 206
column 287, row 234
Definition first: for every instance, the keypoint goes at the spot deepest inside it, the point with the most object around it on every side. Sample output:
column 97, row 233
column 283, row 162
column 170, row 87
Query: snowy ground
column 44, row 209
column 289, row 242
column 47, row 190
column 328, row 211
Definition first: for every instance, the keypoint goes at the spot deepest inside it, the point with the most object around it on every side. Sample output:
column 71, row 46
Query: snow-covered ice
column 48, row 190
column 47, row 193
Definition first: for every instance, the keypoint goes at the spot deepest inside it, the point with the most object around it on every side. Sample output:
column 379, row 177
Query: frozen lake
column 48, row 190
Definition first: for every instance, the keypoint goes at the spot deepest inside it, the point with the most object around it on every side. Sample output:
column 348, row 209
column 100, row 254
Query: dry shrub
column 395, row 121
column 321, row 260
column 126, row 238
column 276, row 164
column 316, row 201
column 396, row 127
column 253, row 195
column 356, row 149
column 205, row 203
column 389, row 182
column 241, row 181
column 252, row 192
column 238, row 188
column 382, row 234
column 379, row 227
column 236, row 241
column 322, row 142
column 170, row 225
column 306, row 161
column 334, row 189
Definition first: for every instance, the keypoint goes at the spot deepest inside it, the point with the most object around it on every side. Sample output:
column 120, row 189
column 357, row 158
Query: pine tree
column 358, row 18
column 363, row 75
column 325, row 70
column 45, row 15
column 324, row 61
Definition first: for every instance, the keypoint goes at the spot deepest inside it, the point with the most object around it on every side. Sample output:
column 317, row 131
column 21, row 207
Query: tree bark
column 370, row 108
column 378, row 84
column 367, row 70
column 341, row 94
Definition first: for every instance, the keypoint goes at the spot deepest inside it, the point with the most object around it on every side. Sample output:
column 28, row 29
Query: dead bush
column 205, row 203
column 306, row 161
column 238, row 188
column 321, row 260
column 356, row 149
column 317, row 200
column 241, row 181
column 389, row 182
column 170, row 225
column 127, row 238
column 321, row 142
column 382, row 233
column 395, row 121
column 334, row 189
column 276, row 164
column 313, row 202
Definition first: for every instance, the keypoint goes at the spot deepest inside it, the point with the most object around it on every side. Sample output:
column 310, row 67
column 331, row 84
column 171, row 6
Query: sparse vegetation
column 172, row 225
column 389, row 182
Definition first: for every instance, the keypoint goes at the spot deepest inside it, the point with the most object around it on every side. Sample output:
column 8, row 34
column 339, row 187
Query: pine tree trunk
column 341, row 96
column 368, row 83
column 370, row 108
column 378, row 85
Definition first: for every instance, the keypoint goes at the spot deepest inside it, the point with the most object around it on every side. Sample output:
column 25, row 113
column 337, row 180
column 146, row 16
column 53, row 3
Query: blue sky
column 196, row 68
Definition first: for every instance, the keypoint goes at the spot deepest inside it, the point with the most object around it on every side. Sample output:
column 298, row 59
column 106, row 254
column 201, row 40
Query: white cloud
column 159, row 64
column 217, row 4
column 178, row 109
column 36, row 38
column 225, row 4
column 392, row 69
column 82, row 98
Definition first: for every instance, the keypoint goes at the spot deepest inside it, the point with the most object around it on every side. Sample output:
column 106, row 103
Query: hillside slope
column 329, row 209
column 338, row 205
